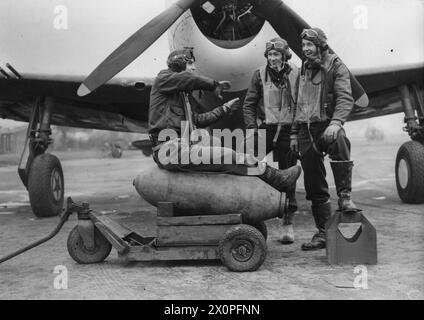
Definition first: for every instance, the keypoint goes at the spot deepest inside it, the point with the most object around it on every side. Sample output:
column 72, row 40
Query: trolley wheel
column 261, row 226
column 81, row 254
column 410, row 172
column 243, row 248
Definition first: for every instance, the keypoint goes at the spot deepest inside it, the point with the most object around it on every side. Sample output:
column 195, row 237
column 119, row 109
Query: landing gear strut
column 410, row 157
column 41, row 172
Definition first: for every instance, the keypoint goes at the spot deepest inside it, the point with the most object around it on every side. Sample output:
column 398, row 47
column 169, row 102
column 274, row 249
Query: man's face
column 275, row 59
column 190, row 66
column 309, row 49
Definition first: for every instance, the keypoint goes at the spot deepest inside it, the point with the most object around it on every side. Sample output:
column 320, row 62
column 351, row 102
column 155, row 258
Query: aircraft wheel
column 261, row 226
column 81, row 254
column 410, row 172
column 243, row 248
column 46, row 186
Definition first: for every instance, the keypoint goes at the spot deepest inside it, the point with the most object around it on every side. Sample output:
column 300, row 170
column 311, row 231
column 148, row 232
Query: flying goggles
column 309, row 33
column 186, row 54
column 275, row 45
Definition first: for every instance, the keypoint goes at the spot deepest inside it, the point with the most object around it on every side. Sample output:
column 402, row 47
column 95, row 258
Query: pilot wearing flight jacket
column 324, row 103
column 269, row 105
column 169, row 97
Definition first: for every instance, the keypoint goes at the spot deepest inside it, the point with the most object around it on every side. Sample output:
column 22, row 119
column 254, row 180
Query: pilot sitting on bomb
column 169, row 97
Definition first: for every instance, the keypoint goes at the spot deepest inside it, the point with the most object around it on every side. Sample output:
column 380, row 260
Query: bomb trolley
column 240, row 247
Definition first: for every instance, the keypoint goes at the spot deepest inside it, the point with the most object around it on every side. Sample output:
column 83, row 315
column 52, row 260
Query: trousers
column 313, row 149
column 209, row 157
column 281, row 150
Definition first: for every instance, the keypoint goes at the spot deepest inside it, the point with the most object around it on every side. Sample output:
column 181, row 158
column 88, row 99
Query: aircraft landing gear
column 40, row 172
column 410, row 157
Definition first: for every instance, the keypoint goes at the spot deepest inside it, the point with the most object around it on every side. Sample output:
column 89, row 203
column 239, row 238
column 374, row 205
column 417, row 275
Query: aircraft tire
column 410, row 172
column 81, row 254
column 243, row 248
column 46, row 186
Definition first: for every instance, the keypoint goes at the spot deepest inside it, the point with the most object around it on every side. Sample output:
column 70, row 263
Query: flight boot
column 321, row 214
column 342, row 171
column 282, row 180
column 287, row 231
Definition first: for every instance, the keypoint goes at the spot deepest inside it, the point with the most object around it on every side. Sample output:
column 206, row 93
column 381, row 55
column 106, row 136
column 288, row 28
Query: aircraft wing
column 122, row 104
column 381, row 85
column 119, row 105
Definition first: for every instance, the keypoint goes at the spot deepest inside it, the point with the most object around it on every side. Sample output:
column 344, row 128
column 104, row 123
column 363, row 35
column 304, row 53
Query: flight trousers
column 218, row 159
column 285, row 158
column 313, row 150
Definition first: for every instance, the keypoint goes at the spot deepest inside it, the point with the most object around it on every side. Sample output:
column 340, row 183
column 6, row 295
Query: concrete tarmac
column 287, row 273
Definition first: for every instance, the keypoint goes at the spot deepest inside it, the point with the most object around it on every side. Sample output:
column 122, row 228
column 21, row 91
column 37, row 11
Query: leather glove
column 221, row 87
column 294, row 144
column 330, row 134
column 231, row 106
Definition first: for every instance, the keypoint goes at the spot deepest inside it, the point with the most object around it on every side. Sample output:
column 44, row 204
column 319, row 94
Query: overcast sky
column 365, row 33
column 362, row 32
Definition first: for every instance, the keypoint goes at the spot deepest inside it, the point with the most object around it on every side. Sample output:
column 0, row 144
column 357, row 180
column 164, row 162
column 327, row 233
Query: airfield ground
column 287, row 273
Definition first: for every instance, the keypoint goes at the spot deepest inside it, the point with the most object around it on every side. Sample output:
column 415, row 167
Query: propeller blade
column 289, row 25
column 133, row 46
column 286, row 22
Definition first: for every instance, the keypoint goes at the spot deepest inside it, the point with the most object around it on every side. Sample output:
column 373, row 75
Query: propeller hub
column 228, row 23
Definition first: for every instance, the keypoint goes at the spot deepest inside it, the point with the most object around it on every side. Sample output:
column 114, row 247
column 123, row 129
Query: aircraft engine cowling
column 228, row 38
column 229, row 24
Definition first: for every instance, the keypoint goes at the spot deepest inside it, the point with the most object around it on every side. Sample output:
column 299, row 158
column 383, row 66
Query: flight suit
column 167, row 111
column 269, row 107
column 324, row 98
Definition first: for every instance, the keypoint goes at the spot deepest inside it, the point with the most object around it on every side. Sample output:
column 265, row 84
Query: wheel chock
column 361, row 248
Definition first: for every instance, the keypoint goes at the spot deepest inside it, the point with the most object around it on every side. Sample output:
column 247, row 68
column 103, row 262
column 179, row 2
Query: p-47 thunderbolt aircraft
column 48, row 48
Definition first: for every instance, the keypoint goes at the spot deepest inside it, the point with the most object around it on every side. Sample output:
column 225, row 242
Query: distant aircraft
column 53, row 45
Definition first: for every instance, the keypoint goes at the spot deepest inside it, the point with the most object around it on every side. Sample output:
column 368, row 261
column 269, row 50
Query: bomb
column 199, row 193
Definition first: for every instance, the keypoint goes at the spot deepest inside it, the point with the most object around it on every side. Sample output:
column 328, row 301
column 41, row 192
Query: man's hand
column 294, row 144
column 330, row 134
column 221, row 87
column 231, row 105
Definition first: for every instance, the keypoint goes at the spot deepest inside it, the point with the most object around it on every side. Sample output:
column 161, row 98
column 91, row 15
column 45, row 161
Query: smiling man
column 269, row 105
column 324, row 103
